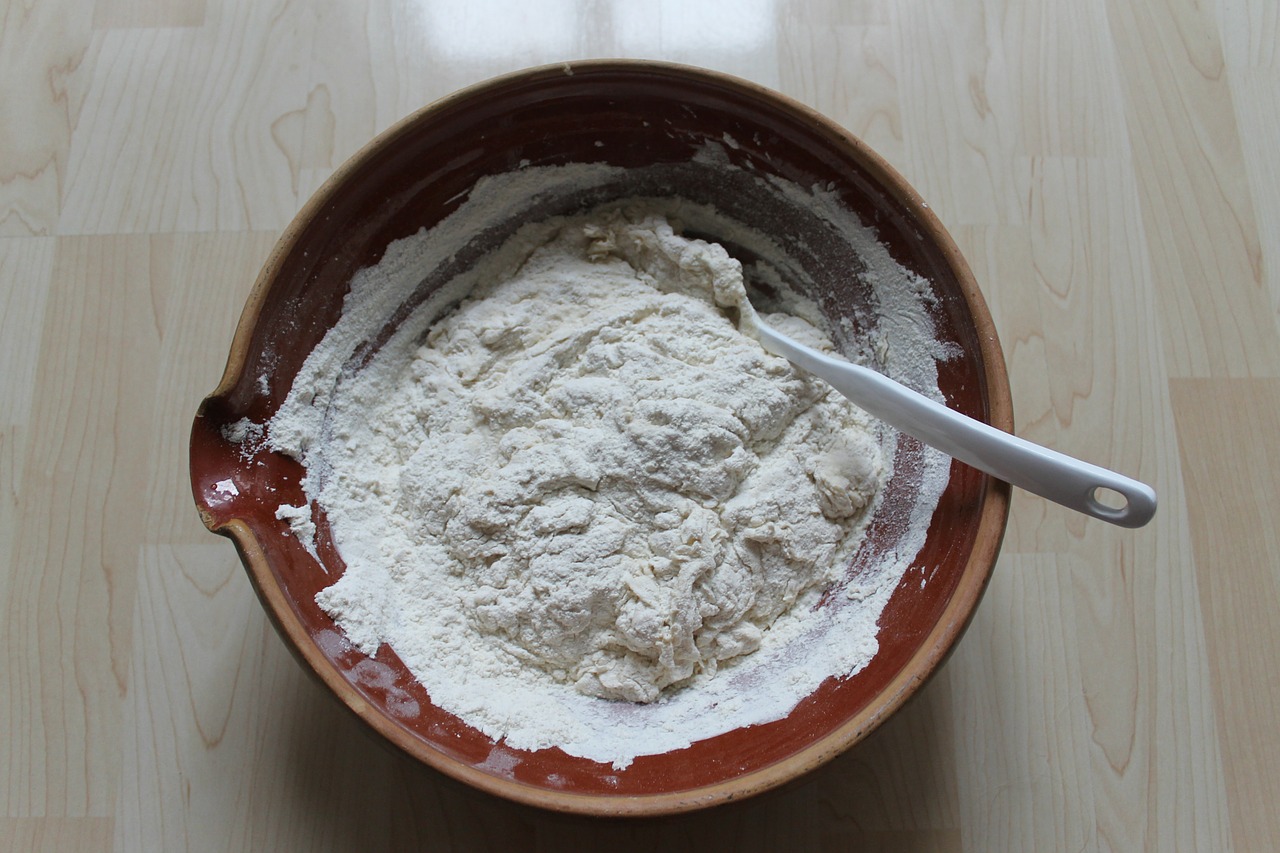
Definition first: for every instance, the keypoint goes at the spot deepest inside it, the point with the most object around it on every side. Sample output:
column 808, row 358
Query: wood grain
column 176, row 127
column 858, row 87
column 54, row 835
column 1063, row 79
column 1256, row 94
column 956, row 98
column 1229, row 435
column 1198, row 214
column 114, row 14
column 70, row 581
column 1108, row 168
column 1033, row 787
column 196, row 321
column 41, row 47
column 26, row 268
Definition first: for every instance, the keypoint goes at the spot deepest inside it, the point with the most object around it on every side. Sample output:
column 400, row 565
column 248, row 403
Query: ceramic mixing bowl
column 709, row 138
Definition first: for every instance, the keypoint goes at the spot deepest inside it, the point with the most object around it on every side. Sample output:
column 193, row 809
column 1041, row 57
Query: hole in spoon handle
column 1109, row 498
column 1125, row 502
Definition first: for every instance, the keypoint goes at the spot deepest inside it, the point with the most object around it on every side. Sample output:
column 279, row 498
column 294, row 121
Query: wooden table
column 1108, row 166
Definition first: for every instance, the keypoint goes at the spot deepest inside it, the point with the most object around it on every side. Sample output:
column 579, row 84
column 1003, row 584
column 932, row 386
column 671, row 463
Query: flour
column 585, row 484
column 300, row 525
column 249, row 436
column 595, row 471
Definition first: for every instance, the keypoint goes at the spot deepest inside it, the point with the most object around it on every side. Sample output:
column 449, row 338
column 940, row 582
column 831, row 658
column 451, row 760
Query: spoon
column 1048, row 473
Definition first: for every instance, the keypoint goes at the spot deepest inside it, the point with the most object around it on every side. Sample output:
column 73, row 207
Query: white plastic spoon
column 1037, row 469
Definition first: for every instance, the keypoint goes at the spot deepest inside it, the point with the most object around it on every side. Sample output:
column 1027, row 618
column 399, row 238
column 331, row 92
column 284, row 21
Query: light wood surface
column 1109, row 168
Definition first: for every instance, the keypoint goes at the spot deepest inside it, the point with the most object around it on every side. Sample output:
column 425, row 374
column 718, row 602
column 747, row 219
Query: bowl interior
column 663, row 120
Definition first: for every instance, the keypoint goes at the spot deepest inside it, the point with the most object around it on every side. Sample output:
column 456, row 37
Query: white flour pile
column 585, row 484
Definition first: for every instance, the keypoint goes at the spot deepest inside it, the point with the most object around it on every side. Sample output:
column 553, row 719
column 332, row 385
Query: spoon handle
column 1029, row 466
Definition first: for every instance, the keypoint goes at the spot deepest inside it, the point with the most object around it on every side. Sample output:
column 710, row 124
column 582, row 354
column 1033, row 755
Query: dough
column 599, row 475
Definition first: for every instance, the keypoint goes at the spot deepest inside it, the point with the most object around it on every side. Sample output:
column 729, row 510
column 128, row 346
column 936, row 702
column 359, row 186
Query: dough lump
column 602, row 474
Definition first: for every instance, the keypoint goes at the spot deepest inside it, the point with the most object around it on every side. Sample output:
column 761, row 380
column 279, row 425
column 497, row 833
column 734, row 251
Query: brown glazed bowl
column 630, row 114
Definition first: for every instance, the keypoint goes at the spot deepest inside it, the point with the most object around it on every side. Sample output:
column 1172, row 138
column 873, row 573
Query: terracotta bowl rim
column 922, row 664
